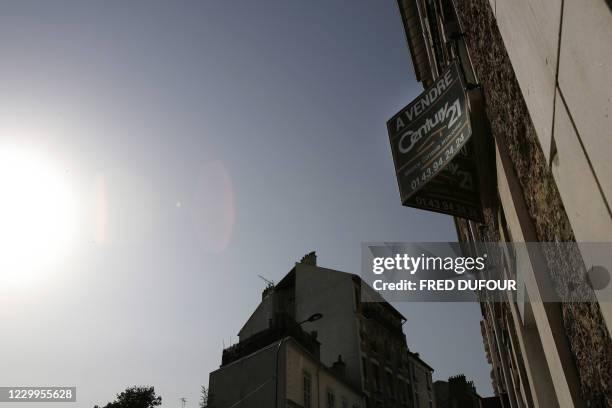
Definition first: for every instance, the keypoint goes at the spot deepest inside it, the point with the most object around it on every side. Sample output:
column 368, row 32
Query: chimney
column 310, row 259
column 267, row 291
column 339, row 367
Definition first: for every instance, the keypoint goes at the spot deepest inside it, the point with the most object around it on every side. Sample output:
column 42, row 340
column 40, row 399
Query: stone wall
column 511, row 126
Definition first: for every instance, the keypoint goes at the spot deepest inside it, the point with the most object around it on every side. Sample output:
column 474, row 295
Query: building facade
column 423, row 391
column 363, row 342
column 303, row 381
column 543, row 70
column 458, row 392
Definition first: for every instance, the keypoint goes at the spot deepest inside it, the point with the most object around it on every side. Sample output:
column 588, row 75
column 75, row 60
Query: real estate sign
column 432, row 152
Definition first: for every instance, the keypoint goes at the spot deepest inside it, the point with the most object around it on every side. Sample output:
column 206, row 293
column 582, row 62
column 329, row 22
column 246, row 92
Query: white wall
column 322, row 380
column 561, row 54
column 320, row 290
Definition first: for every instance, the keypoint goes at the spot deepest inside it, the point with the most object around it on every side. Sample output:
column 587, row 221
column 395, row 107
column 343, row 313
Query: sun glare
column 37, row 216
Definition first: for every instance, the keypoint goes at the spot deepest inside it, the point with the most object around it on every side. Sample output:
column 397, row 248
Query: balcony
column 372, row 311
column 282, row 326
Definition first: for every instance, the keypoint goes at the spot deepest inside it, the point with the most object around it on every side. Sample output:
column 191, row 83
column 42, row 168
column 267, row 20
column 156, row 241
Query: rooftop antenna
column 269, row 283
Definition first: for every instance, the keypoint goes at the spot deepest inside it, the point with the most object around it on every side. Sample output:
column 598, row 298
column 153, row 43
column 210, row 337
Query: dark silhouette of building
column 457, row 392
column 362, row 343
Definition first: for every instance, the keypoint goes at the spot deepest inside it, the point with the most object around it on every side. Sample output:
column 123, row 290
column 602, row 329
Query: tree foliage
column 204, row 398
column 135, row 397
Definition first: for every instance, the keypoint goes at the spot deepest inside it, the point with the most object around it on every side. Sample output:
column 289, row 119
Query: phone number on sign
column 437, row 165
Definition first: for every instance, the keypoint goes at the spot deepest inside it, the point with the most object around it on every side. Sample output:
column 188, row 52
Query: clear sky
column 201, row 143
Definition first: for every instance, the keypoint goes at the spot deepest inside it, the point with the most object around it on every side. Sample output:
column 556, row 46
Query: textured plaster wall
column 511, row 125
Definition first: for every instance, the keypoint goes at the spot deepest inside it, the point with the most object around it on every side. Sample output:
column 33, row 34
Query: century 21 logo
column 451, row 113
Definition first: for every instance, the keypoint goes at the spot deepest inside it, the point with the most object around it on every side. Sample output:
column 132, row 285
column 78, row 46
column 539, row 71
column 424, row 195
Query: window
column 331, row 399
column 344, row 402
column 390, row 383
column 376, row 377
column 364, row 362
column 307, row 389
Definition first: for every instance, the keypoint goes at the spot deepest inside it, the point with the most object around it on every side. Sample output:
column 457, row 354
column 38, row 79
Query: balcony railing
column 282, row 326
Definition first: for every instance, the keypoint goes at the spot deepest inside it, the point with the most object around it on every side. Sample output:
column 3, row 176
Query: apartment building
column 362, row 343
column 286, row 372
column 537, row 78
